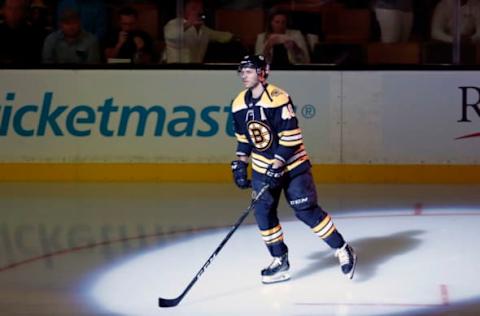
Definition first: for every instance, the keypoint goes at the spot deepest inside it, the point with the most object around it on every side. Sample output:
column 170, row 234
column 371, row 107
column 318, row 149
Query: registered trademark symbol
column 308, row 111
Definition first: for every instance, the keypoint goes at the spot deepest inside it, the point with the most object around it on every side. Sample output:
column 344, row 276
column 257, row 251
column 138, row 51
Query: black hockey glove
column 240, row 177
column 273, row 177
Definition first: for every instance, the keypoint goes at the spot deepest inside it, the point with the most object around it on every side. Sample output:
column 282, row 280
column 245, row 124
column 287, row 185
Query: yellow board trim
column 205, row 172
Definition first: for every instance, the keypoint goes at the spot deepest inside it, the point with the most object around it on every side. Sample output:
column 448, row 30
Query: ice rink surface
column 113, row 249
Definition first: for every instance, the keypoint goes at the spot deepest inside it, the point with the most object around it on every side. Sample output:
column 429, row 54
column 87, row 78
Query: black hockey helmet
column 257, row 62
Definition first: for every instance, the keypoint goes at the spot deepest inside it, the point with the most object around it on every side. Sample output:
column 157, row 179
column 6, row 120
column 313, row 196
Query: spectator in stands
column 20, row 43
column 39, row 17
column 239, row 4
column 187, row 39
column 71, row 44
column 354, row 4
column 281, row 45
column 469, row 22
column 395, row 18
column 129, row 42
column 93, row 14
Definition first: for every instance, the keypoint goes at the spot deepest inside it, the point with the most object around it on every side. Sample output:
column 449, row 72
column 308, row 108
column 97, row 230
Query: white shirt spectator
column 195, row 41
column 295, row 56
column 395, row 18
column 443, row 21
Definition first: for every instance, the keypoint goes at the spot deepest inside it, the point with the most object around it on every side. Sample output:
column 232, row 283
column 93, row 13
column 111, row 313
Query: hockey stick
column 163, row 302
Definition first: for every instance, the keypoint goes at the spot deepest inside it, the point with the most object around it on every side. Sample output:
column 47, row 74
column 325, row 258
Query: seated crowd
column 35, row 32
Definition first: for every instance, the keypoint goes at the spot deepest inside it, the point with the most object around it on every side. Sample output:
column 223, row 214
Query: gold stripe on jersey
column 297, row 159
column 241, row 138
column 299, row 152
column 290, row 143
column 263, row 169
column 298, row 162
column 290, row 132
column 260, row 163
column 262, row 158
column 291, row 138
column 258, row 168
column 325, row 228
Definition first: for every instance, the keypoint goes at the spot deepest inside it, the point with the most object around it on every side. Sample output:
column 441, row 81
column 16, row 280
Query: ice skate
column 277, row 271
column 348, row 260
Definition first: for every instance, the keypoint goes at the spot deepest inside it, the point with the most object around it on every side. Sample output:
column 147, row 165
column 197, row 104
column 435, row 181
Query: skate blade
column 276, row 278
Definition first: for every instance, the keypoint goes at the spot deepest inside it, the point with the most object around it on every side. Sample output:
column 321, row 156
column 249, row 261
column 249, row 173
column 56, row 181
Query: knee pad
column 309, row 214
column 262, row 212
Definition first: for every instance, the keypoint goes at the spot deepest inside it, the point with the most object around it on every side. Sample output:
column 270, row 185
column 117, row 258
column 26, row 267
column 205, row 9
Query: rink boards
column 167, row 125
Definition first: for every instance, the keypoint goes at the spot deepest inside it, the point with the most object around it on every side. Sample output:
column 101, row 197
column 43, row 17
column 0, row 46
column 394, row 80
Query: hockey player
column 267, row 131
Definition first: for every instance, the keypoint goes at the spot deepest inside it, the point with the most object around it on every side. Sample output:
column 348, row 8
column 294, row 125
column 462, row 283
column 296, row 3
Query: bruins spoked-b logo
column 260, row 135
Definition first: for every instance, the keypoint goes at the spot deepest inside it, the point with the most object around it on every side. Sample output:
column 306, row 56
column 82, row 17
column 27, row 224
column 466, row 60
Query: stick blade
column 163, row 302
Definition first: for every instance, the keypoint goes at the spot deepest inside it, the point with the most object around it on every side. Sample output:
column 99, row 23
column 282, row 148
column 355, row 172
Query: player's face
column 249, row 77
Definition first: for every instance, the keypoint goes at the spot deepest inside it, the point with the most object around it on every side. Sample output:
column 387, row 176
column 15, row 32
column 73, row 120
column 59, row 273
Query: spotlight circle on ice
column 386, row 256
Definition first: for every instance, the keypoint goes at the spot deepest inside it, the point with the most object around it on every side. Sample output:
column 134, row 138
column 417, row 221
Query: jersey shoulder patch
column 239, row 102
column 279, row 97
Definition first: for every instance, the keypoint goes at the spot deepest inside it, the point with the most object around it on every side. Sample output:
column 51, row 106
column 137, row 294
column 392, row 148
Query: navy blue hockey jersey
column 267, row 128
